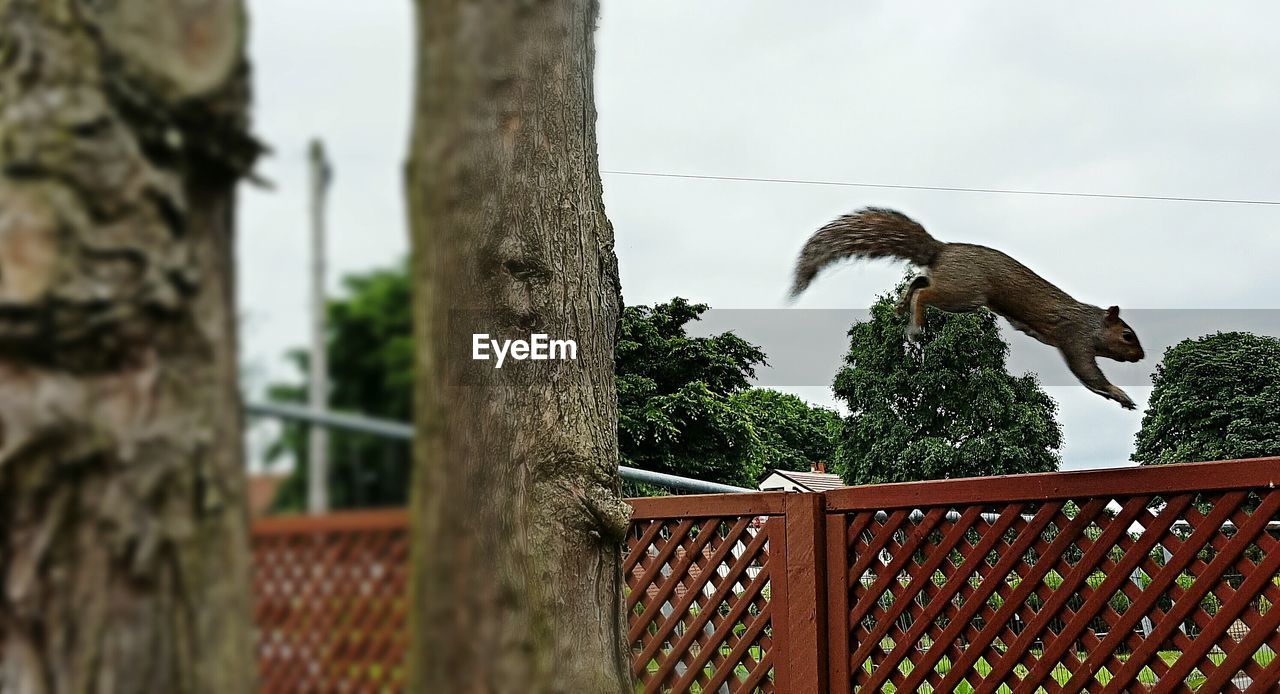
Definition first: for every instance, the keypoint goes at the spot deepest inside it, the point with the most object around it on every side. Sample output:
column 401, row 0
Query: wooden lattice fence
column 1132, row 580
column 1156, row 579
column 331, row 597
column 709, row 582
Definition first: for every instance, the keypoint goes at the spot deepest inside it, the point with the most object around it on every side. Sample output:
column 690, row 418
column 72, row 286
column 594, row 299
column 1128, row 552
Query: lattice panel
column 1098, row 594
column 330, row 613
column 698, row 596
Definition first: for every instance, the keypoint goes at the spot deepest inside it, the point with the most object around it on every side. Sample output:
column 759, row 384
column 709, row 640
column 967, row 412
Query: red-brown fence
column 1150, row 579
column 331, row 594
column 710, row 585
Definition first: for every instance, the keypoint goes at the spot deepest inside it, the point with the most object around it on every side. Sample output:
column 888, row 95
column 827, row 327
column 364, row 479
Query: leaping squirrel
column 961, row 277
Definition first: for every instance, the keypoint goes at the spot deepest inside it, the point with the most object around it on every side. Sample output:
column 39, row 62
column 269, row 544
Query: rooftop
column 813, row 481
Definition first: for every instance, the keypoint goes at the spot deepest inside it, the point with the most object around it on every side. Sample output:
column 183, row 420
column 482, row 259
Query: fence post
column 838, row 647
column 805, row 616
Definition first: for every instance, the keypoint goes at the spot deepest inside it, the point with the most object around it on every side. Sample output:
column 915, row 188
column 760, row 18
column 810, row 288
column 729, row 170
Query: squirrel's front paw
column 1123, row 398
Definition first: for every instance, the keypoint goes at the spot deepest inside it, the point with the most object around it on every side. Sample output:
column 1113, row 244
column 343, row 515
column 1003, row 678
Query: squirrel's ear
column 1113, row 313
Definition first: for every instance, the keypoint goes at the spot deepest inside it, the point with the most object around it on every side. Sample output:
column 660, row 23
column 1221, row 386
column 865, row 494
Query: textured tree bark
column 123, row 539
column 517, row 518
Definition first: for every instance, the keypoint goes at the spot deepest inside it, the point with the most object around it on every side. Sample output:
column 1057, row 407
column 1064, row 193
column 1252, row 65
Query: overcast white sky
column 1159, row 98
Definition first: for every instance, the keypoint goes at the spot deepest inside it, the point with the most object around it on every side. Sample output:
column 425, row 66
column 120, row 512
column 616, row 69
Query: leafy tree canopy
column 793, row 434
column 686, row 406
column 1215, row 398
column 945, row 408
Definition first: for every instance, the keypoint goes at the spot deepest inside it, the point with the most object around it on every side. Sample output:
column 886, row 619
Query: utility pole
column 318, row 444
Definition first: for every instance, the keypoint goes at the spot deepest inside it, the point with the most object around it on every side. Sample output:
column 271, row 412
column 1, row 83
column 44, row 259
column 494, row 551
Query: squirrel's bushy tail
column 872, row 232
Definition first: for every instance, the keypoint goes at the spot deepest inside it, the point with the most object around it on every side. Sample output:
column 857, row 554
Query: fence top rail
column 1159, row 479
column 708, row 505
column 339, row 521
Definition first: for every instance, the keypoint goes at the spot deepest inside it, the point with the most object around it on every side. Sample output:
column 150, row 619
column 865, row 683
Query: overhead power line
column 951, row 189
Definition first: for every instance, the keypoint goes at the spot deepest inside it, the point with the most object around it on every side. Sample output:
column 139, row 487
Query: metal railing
column 403, row 431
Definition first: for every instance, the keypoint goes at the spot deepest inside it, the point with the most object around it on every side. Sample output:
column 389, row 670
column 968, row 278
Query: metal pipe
column 334, row 420
column 676, row 482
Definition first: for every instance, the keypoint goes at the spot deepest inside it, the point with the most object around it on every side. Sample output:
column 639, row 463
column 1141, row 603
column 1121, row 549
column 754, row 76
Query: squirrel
column 961, row 277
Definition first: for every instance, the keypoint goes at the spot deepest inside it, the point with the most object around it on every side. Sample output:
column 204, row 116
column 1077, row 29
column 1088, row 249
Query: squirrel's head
column 1117, row 340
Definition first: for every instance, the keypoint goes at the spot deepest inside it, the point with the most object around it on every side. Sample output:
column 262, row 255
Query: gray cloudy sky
column 1155, row 98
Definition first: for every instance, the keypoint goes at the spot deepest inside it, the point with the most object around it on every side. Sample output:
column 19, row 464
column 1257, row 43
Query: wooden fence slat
column 779, row 596
column 838, row 547
column 708, row 506
column 865, row 523
column 953, row 585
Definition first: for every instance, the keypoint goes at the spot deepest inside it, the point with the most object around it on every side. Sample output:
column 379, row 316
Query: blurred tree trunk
column 517, row 517
column 123, row 544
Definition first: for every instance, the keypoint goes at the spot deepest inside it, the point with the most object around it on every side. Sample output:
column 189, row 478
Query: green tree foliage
column 686, row 406
column 1215, row 398
column 945, row 408
column 370, row 345
column 793, row 434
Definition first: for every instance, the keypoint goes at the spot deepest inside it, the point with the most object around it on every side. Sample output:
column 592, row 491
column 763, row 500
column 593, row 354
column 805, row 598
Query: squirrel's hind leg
column 916, row 285
column 931, row 295
column 918, row 296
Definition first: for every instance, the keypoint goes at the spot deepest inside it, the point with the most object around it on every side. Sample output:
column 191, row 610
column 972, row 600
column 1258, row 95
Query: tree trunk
column 517, row 518
column 123, row 545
